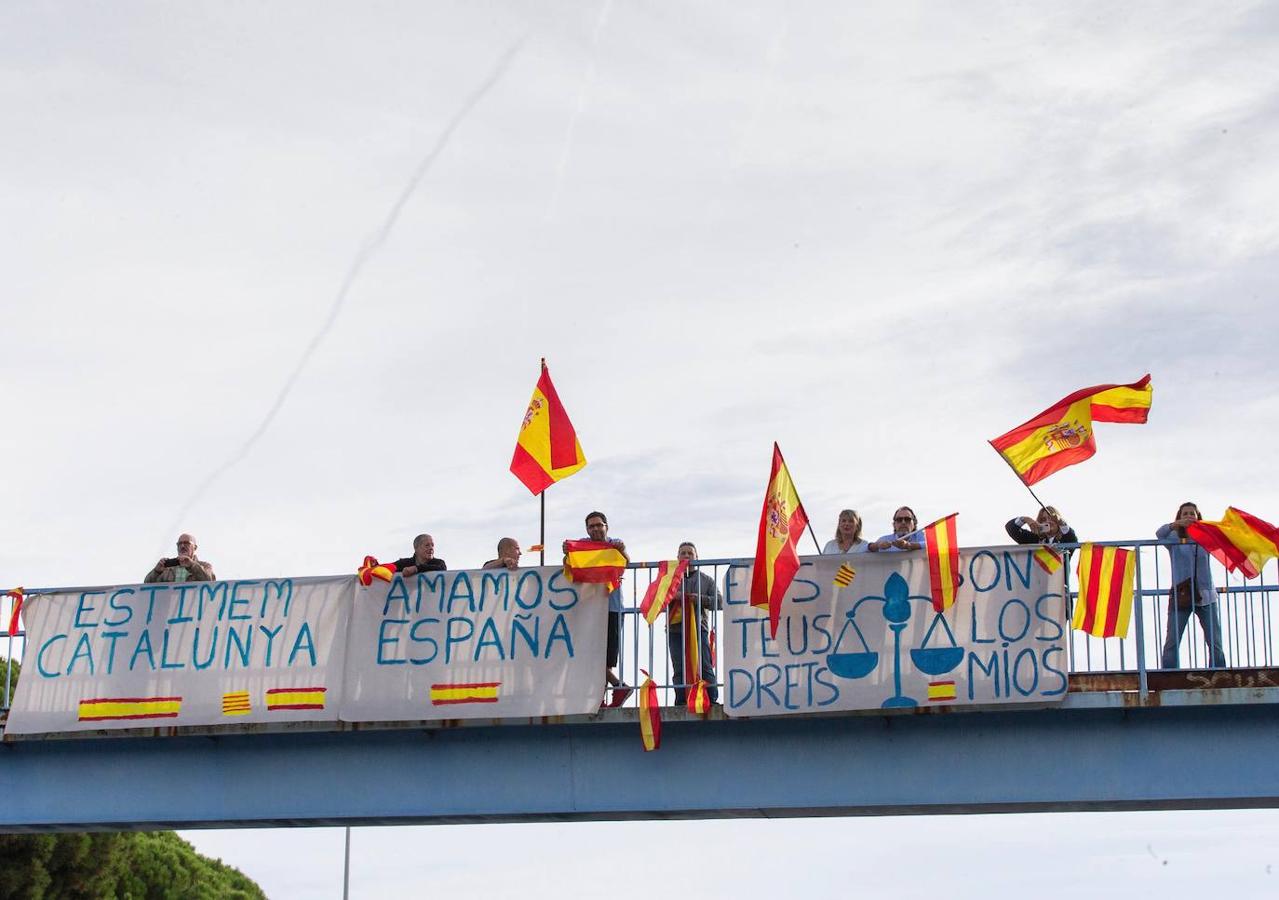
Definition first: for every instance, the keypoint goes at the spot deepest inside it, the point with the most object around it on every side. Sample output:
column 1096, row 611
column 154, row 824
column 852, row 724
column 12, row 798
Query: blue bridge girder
column 1178, row 749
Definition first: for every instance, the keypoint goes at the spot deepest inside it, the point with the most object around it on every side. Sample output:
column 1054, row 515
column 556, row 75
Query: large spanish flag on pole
column 1106, row 575
column 780, row 525
column 547, row 449
column 1062, row 435
column 1240, row 541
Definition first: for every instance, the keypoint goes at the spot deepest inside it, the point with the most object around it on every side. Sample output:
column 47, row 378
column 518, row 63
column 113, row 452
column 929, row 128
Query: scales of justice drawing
column 896, row 609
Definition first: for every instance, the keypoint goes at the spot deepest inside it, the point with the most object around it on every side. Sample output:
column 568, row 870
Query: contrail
column 582, row 95
column 357, row 266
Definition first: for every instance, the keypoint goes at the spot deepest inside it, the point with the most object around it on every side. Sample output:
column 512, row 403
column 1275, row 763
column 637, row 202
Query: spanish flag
column 278, row 699
column 941, row 691
column 650, row 717
column 546, row 450
column 780, row 525
column 1062, row 435
column 670, row 575
column 105, row 709
column 1106, row 576
column 475, row 692
column 942, row 546
column 699, row 698
column 371, row 569
column 594, row 562
column 1048, row 559
column 16, row 596
column 1240, row 541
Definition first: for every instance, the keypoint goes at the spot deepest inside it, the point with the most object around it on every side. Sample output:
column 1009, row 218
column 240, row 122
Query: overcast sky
column 280, row 274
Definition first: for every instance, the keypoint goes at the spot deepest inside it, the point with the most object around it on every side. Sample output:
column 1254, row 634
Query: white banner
column 490, row 644
column 877, row 643
column 195, row 653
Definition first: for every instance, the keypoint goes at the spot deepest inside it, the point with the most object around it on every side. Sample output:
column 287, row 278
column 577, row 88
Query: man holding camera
column 183, row 567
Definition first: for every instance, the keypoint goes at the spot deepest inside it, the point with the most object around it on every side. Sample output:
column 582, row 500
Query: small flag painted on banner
column 104, row 709
column 236, row 703
column 844, row 577
column 941, row 691
column 295, row 698
column 478, row 692
column 1048, row 559
column 650, row 717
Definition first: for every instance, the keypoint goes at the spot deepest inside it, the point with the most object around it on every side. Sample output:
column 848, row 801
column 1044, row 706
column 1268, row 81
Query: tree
column 155, row 865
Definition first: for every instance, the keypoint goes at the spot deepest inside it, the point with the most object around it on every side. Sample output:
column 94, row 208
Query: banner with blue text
column 860, row 632
column 191, row 653
column 491, row 644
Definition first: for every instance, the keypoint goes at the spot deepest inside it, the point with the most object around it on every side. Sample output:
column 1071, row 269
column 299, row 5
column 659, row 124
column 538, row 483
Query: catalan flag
column 594, row 562
column 1241, row 541
column 781, row 523
column 1048, row 559
column 236, row 703
column 1062, row 435
column 650, row 717
column 16, row 596
column 1106, row 577
column 942, row 546
column 941, row 691
column 110, row 709
column 371, row 569
column 670, row 575
column 474, row 692
column 844, row 577
column 278, row 699
column 547, row 449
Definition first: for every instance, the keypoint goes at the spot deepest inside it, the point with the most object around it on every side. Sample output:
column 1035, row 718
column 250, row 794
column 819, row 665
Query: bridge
column 1126, row 737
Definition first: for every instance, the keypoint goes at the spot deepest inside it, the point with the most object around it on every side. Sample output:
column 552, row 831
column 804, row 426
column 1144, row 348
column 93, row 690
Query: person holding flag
column 1192, row 589
column 695, row 598
column 597, row 531
column 905, row 535
column 1047, row 527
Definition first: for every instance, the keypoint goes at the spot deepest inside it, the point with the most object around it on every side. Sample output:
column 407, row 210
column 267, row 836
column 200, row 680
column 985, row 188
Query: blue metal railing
column 1249, row 637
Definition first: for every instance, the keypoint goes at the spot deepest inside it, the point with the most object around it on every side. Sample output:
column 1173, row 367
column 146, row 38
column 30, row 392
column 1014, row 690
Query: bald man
column 508, row 555
column 186, row 566
column 423, row 558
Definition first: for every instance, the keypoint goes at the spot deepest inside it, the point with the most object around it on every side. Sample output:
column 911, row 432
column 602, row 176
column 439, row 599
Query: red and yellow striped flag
column 1048, row 559
column 942, row 546
column 941, row 691
column 1106, row 577
column 650, row 717
column 1240, row 541
column 16, row 596
column 476, row 692
column 699, row 698
column 670, row 575
column 1062, row 435
column 102, row 709
column 781, row 523
column 236, row 703
column 278, row 699
column 594, row 562
column 844, row 577
column 371, row 569
column 547, row 449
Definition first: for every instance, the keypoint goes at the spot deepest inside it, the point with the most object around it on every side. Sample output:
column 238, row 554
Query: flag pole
column 541, row 535
column 1019, row 478
column 801, row 506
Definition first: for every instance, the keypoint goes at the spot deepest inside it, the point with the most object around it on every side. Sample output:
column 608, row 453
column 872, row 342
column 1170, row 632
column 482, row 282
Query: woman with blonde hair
column 1047, row 527
column 848, row 534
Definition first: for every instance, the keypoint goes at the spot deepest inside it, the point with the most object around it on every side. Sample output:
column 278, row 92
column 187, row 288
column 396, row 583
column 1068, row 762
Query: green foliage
column 7, row 665
column 141, row 865
column 129, row 865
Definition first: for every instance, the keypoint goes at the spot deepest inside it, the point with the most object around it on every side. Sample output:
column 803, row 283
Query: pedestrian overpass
column 1125, row 737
